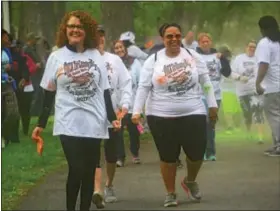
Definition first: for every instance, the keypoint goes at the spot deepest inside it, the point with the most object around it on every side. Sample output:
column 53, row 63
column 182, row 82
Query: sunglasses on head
column 73, row 26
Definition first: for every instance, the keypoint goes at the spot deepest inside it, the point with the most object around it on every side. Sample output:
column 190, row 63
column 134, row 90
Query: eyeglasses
column 171, row 36
column 73, row 26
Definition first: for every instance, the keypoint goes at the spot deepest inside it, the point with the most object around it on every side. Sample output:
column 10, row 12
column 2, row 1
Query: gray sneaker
column 170, row 200
column 120, row 163
column 270, row 150
column 275, row 152
column 192, row 190
column 109, row 195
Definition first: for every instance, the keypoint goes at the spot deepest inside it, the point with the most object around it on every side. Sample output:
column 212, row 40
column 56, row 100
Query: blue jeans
column 211, row 145
column 134, row 137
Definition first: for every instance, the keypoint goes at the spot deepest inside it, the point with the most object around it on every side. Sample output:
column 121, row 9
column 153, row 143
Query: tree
column 117, row 17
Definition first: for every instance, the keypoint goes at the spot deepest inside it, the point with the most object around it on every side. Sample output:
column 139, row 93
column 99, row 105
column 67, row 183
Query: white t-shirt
column 193, row 45
column 269, row 52
column 173, row 85
column 79, row 80
column 119, row 80
column 134, row 72
column 243, row 65
column 214, row 67
column 136, row 52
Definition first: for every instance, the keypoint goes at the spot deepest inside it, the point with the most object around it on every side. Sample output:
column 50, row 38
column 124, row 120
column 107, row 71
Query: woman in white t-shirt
column 170, row 85
column 133, row 66
column 76, row 76
column 244, row 71
column 133, row 50
column 268, row 78
column 218, row 65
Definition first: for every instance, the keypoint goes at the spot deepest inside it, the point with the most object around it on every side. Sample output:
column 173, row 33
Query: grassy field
column 22, row 168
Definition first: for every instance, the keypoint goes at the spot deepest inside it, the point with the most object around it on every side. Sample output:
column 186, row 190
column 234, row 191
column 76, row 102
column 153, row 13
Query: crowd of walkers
column 175, row 86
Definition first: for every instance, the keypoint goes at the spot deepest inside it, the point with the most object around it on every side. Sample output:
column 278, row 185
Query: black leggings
column 81, row 155
column 110, row 148
column 170, row 134
column 24, row 104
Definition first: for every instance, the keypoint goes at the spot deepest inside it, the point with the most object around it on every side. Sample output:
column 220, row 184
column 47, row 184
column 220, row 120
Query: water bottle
column 140, row 128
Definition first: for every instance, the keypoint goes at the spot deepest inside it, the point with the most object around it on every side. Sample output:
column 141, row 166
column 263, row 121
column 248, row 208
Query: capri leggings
column 110, row 146
column 252, row 107
column 170, row 134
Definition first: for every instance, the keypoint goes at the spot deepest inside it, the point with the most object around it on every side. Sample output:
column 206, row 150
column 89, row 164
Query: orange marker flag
column 40, row 144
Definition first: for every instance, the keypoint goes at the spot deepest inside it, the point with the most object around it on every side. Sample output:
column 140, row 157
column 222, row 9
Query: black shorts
column 110, row 148
column 170, row 134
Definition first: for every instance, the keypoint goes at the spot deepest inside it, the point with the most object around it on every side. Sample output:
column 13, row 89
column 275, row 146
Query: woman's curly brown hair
column 90, row 27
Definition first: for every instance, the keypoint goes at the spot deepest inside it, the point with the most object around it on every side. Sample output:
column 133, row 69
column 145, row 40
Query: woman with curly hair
column 75, row 75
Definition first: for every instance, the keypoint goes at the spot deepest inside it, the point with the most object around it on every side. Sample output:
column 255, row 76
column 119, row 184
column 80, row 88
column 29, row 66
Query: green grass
column 22, row 168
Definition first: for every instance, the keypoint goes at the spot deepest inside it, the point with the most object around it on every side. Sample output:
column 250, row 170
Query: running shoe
column 109, row 195
column 170, row 200
column 192, row 190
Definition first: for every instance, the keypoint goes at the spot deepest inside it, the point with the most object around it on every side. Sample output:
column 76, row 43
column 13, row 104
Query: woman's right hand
column 37, row 132
column 136, row 118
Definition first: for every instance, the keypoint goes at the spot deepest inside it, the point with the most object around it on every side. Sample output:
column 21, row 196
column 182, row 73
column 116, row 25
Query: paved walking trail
column 242, row 179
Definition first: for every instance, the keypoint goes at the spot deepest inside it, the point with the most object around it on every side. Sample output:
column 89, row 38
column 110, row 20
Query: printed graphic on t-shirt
column 214, row 74
column 85, row 77
column 179, row 77
column 249, row 67
column 110, row 75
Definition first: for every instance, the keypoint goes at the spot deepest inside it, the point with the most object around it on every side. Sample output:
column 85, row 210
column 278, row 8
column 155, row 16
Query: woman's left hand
column 213, row 116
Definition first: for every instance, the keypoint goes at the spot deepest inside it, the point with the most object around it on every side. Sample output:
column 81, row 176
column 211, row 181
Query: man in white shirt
column 268, row 79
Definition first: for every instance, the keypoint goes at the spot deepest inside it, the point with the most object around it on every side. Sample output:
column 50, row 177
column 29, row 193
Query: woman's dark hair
column 167, row 25
column 160, row 30
column 3, row 32
column 270, row 28
column 90, row 27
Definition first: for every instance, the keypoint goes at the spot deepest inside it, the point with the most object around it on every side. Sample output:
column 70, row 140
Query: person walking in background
column 268, row 78
column 25, row 90
column 218, row 65
column 30, row 50
column 230, row 103
column 170, row 83
column 134, row 67
column 244, row 71
column 75, row 75
column 9, row 86
column 189, row 42
column 121, row 95
column 133, row 50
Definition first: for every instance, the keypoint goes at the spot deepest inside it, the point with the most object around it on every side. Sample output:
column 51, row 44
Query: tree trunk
column 117, row 18
column 47, row 20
